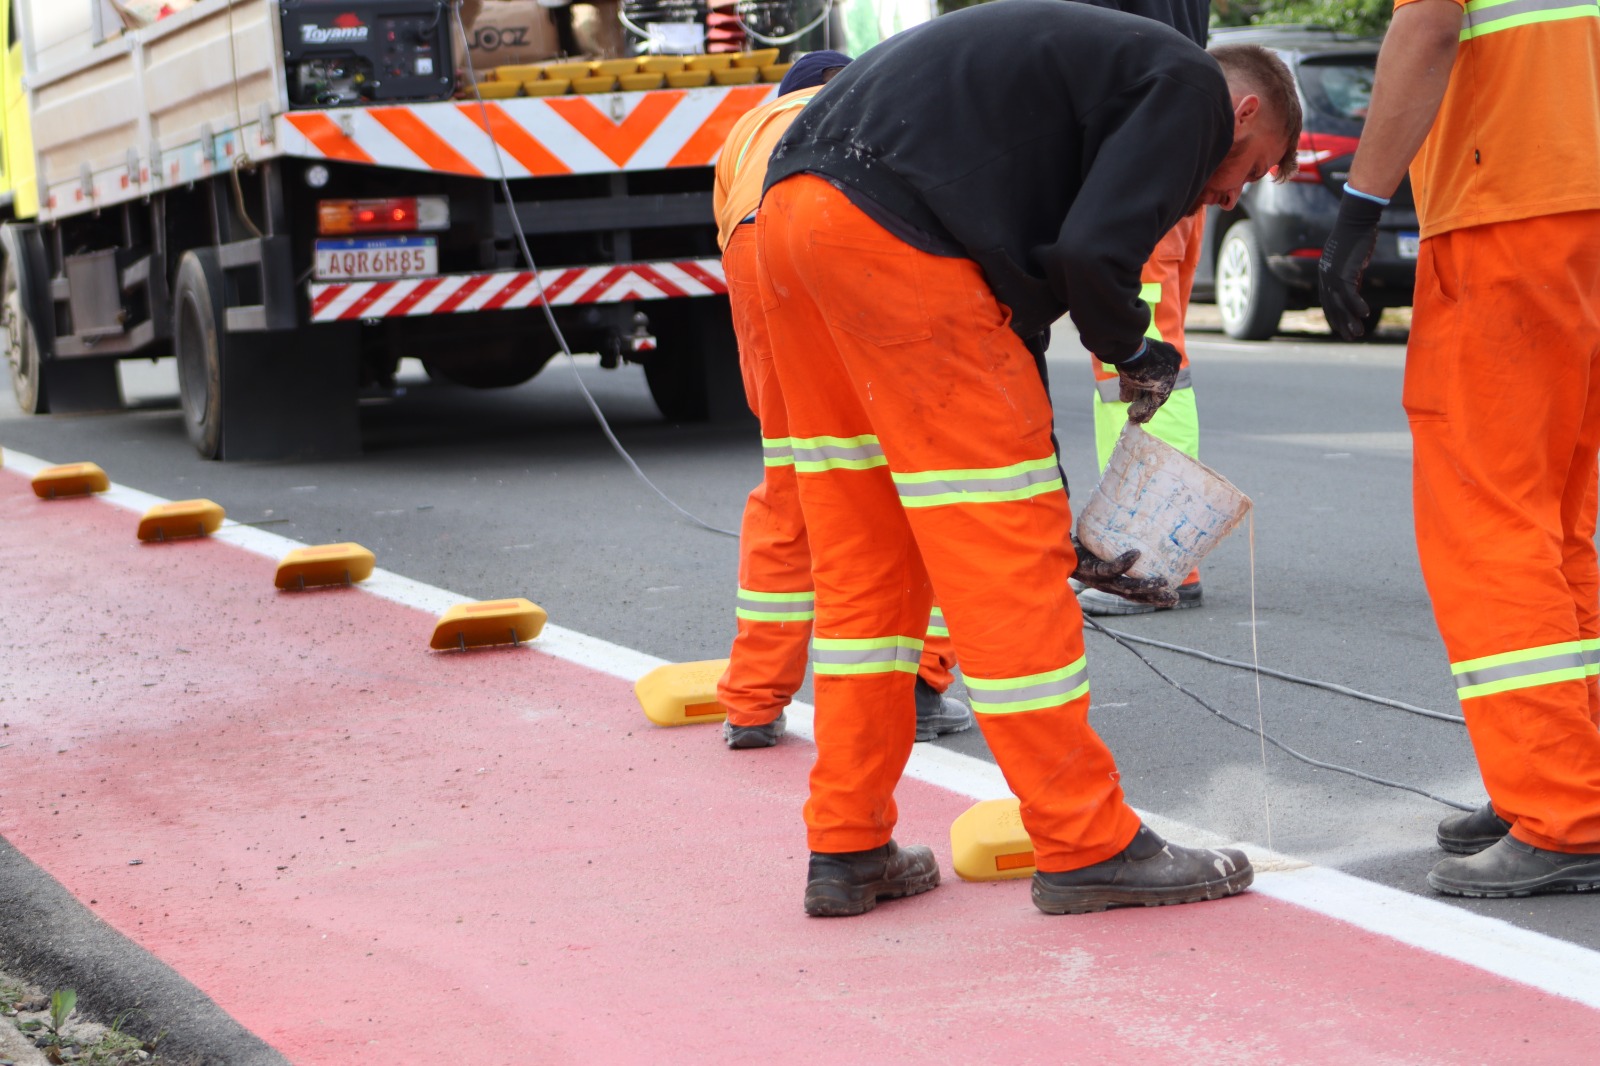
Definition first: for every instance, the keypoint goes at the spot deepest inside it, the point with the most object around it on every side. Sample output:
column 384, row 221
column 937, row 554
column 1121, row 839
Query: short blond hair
column 1258, row 70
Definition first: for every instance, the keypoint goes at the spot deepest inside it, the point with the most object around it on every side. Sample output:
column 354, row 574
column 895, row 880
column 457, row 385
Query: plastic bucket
column 1153, row 498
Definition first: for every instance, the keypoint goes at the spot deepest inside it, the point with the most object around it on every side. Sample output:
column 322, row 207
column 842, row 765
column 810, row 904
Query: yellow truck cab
column 19, row 192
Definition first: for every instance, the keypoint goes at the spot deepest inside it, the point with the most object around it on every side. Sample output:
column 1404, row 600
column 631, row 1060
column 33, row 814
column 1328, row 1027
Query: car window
column 1340, row 86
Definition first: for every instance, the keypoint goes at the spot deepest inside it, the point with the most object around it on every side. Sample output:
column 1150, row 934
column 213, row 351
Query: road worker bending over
column 1165, row 284
column 1502, row 389
column 768, row 662
column 955, row 189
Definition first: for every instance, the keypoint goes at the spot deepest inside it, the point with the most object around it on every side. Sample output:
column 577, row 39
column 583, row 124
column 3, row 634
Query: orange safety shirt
column 742, row 167
column 1518, row 134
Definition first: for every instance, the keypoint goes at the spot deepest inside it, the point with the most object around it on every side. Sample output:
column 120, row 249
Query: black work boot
column 1471, row 831
column 938, row 714
column 1149, row 872
column 754, row 736
column 852, row 882
column 1512, row 868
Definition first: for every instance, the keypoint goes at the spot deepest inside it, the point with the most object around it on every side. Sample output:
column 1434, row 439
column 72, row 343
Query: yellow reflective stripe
column 738, row 161
column 936, row 626
column 1029, row 692
column 777, row 451
column 1019, row 481
column 1482, row 17
column 865, row 655
column 775, row 606
column 816, row 455
column 1591, row 656
column 1150, row 293
column 1547, row 664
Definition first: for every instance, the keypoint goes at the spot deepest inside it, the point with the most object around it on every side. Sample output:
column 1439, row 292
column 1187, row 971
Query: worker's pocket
column 870, row 289
column 1017, row 382
column 1435, row 321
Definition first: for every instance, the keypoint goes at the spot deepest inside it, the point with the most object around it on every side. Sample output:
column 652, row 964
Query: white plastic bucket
column 1153, row 498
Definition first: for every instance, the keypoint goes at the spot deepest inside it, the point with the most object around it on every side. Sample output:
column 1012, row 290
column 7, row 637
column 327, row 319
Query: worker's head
column 811, row 70
column 1266, row 122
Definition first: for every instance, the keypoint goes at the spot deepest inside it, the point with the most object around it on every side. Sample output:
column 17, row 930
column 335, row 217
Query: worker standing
column 955, row 190
column 1164, row 285
column 767, row 664
column 1502, row 390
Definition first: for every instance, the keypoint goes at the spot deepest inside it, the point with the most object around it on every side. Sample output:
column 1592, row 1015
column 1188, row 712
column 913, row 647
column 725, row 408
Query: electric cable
column 544, row 304
column 1281, row 675
column 1270, row 739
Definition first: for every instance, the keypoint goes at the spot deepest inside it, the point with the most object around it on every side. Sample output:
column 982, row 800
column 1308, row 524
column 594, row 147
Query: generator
column 345, row 53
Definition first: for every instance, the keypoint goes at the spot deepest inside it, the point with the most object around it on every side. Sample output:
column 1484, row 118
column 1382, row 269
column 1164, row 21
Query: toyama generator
column 343, row 53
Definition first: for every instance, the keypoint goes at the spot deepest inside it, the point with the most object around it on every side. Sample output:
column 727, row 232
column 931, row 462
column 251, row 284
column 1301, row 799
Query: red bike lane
column 367, row 852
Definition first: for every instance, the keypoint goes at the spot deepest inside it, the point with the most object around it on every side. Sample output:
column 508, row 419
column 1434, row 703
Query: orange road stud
column 73, row 479
column 479, row 625
column 682, row 693
column 988, row 843
column 182, row 518
column 325, row 564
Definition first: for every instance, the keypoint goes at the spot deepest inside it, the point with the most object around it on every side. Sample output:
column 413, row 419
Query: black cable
column 1269, row 738
column 1312, row 682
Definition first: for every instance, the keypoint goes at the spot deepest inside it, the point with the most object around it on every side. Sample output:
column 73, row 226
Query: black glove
column 1344, row 257
column 1111, row 575
column 1147, row 379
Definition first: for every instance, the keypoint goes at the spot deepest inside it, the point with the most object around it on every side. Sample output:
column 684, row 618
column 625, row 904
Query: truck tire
column 41, row 385
column 1250, row 297
column 282, row 395
column 694, row 375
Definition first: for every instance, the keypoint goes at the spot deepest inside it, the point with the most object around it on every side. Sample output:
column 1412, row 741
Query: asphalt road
column 515, row 492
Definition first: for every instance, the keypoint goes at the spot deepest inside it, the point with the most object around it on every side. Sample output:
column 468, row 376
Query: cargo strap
column 1030, row 692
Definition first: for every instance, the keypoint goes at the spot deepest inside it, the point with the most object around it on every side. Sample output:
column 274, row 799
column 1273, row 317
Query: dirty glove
column 1147, row 379
column 1344, row 257
column 1111, row 575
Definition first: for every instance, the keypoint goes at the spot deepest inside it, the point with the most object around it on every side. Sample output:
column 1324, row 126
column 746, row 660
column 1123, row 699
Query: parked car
column 1260, row 259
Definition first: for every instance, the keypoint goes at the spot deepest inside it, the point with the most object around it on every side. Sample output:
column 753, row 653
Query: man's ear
column 1245, row 110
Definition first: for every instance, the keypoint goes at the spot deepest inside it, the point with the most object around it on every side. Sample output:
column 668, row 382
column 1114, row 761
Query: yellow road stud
column 181, row 518
column 682, row 693
column 477, row 625
column 988, row 843
column 325, row 564
column 73, row 479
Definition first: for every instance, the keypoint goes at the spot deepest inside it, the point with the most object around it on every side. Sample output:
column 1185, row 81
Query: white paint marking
column 1563, row 969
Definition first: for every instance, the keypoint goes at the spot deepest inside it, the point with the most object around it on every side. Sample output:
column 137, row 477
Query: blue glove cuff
column 1353, row 191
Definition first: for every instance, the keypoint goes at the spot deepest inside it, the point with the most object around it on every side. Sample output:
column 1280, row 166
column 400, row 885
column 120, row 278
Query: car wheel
column 22, row 347
column 1250, row 297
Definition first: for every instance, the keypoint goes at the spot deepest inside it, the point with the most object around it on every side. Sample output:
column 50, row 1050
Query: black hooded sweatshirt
column 1052, row 143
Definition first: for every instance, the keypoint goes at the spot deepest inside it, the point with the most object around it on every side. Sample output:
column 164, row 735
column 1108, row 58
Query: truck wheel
column 285, row 395
column 1250, row 297
column 694, row 376
column 65, row 386
column 22, row 346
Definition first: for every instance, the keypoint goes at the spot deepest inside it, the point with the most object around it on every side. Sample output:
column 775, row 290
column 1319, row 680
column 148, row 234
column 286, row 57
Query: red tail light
column 400, row 214
column 1315, row 149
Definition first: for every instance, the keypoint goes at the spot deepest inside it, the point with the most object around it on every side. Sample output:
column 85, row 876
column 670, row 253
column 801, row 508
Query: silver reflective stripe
column 1489, row 16
column 775, row 606
column 910, row 490
column 1527, row 668
column 1029, row 693
column 860, row 656
column 816, row 454
column 937, row 627
column 777, row 451
column 1110, row 389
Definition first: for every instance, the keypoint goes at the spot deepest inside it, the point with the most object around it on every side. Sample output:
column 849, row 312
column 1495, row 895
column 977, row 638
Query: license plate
column 1409, row 244
column 362, row 258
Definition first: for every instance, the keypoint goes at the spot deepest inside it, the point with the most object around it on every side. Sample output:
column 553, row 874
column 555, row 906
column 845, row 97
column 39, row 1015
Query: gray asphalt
column 515, row 492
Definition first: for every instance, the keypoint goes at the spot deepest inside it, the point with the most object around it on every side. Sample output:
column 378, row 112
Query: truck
column 288, row 197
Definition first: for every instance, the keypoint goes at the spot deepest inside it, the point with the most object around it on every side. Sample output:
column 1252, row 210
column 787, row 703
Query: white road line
column 1556, row 966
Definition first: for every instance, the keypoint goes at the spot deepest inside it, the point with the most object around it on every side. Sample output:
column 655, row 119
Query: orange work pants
column 1502, row 389
column 768, row 662
column 921, row 434
column 1165, row 284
